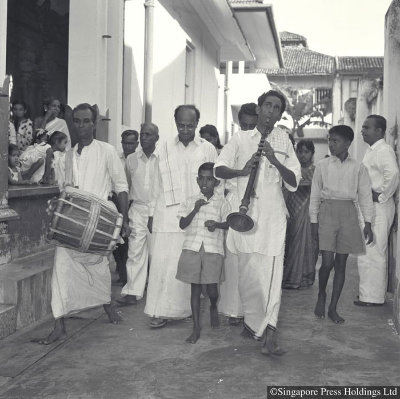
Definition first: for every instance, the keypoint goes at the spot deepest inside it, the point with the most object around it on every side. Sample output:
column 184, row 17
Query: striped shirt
column 196, row 233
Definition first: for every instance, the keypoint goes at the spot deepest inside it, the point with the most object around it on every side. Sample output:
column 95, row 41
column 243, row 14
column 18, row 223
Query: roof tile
column 359, row 64
column 303, row 61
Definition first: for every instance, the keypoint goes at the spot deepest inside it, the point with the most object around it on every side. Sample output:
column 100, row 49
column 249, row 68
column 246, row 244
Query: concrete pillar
column 115, row 46
column 362, row 111
column 148, row 60
column 227, row 102
column 3, row 38
column 87, row 54
column 6, row 213
column 336, row 100
column 391, row 105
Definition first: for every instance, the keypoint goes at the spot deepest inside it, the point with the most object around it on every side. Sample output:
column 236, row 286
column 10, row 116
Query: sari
column 301, row 252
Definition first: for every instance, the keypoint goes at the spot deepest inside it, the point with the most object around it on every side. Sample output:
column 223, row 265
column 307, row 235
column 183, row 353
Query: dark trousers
column 121, row 256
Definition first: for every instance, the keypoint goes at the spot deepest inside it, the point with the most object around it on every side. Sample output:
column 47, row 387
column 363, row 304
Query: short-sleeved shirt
column 196, row 233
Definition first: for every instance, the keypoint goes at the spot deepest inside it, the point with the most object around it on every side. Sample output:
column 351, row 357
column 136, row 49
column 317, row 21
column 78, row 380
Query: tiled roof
column 291, row 37
column 244, row 2
column 303, row 61
column 359, row 64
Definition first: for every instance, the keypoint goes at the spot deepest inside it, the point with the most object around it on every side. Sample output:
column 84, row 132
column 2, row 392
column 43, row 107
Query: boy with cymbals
column 203, row 217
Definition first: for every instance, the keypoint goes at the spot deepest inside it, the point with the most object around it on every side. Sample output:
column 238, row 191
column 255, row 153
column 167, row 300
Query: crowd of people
column 175, row 196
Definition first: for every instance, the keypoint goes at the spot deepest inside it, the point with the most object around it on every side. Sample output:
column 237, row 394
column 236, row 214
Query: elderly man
column 179, row 160
column 260, row 251
column 82, row 281
column 141, row 167
column 380, row 162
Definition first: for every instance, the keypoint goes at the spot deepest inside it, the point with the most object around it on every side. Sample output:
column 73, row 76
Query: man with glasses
column 175, row 181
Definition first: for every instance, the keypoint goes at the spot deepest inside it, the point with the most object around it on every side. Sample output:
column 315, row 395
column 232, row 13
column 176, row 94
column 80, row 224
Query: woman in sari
column 51, row 122
column 301, row 250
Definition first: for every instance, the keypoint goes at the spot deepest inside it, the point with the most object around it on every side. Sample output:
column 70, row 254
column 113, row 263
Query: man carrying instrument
column 260, row 251
column 81, row 280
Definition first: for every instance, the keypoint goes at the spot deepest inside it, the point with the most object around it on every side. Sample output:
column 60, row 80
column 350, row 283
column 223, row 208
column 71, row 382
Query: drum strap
column 90, row 228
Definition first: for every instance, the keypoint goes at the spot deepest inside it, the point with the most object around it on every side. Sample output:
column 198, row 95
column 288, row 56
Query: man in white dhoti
column 380, row 162
column 141, row 167
column 260, row 251
column 81, row 281
column 179, row 160
column 229, row 302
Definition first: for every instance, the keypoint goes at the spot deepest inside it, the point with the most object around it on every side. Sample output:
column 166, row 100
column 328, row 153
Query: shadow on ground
column 100, row 360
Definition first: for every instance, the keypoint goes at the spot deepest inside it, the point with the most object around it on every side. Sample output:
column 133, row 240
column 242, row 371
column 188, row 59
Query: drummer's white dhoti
column 167, row 297
column 229, row 298
column 80, row 281
column 260, row 281
column 372, row 267
column 138, row 252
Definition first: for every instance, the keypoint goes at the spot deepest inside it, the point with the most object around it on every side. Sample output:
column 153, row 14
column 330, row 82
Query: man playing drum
column 260, row 251
column 81, row 280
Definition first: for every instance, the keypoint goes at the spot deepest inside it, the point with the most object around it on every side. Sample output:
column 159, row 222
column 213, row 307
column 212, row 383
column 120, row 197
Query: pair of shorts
column 200, row 267
column 339, row 228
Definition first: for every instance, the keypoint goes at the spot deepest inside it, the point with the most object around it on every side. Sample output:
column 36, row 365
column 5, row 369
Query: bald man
column 140, row 167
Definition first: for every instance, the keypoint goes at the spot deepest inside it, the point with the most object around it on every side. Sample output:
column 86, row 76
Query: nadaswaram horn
column 240, row 221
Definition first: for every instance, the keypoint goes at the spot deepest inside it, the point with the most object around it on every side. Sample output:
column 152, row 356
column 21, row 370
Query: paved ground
column 100, row 360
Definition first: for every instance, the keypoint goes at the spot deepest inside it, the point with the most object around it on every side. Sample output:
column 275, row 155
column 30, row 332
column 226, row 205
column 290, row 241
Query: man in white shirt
column 81, row 280
column 260, row 251
column 179, row 160
column 380, row 162
column 141, row 167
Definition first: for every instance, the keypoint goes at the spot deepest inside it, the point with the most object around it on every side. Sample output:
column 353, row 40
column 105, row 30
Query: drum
column 84, row 222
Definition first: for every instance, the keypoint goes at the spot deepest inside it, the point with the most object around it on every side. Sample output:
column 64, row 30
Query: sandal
column 158, row 323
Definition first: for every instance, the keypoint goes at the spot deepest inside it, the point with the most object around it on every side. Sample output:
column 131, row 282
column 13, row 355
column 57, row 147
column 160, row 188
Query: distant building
column 345, row 89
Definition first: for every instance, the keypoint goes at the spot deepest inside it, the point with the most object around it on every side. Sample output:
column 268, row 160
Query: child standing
column 15, row 175
column 203, row 217
column 58, row 142
column 339, row 181
column 33, row 153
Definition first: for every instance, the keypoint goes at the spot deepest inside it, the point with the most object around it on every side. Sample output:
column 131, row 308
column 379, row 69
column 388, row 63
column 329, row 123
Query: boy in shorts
column 203, row 217
column 339, row 181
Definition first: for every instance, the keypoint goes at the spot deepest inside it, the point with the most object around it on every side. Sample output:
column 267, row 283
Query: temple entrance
column 37, row 50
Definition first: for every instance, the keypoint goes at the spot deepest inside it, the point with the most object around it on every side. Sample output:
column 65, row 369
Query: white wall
column 95, row 62
column 168, row 68
column 391, row 101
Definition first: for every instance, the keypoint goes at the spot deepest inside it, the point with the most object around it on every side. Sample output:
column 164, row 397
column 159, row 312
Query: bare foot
column 246, row 333
column 270, row 346
column 112, row 314
column 214, row 318
column 127, row 300
column 235, row 321
column 332, row 314
column 57, row 333
column 194, row 336
column 319, row 310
